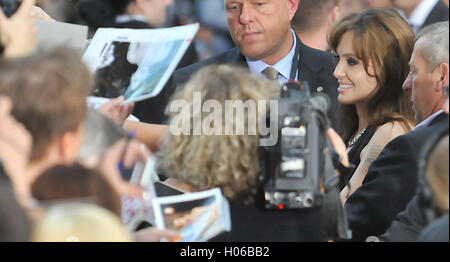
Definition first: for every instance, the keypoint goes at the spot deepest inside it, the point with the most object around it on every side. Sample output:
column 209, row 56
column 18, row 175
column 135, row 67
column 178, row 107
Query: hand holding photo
column 125, row 61
column 197, row 216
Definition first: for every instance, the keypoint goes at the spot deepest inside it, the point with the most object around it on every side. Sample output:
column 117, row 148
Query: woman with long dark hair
column 373, row 51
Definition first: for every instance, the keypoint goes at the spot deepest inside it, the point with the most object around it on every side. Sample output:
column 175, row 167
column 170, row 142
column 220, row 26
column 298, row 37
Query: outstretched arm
column 149, row 134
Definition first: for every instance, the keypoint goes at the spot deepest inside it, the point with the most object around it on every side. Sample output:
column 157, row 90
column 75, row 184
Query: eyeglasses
column 445, row 91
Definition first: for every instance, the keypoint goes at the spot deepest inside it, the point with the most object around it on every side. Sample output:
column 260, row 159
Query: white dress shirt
column 125, row 18
column 427, row 121
column 283, row 66
column 420, row 14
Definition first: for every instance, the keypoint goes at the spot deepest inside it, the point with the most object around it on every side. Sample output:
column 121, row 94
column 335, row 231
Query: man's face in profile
column 420, row 83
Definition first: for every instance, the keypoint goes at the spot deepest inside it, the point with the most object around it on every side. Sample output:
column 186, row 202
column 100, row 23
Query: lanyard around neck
column 295, row 68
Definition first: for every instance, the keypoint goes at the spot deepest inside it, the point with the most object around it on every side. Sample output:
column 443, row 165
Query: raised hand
column 123, row 154
column 18, row 34
column 116, row 110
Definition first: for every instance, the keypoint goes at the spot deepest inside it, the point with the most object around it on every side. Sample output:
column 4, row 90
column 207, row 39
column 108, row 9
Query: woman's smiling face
column 356, row 86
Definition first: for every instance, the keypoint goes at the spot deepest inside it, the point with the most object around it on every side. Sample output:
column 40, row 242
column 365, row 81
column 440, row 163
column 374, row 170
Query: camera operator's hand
column 18, row 34
column 15, row 148
column 339, row 146
column 125, row 153
column 116, row 111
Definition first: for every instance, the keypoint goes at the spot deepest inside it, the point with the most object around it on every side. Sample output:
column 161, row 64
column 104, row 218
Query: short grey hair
column 433, row 41
column 100, row 133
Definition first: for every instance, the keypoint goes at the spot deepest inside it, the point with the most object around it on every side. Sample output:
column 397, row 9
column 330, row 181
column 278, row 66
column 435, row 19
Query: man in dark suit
column 264, row 38
column 421, row 13
column 391, row 180
column 390, row 183
column 408, row 224
column 438, row 13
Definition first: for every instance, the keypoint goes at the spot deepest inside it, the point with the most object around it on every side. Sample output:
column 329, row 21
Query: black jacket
column 390, row 183
column 253, row 224
column 316, row 67
column 437, row 231
column 438, row 13
column 409, row 223
column 14, row 223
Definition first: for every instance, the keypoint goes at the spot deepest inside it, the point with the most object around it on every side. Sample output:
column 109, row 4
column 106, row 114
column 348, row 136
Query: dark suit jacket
column 437, row 231
column 316, row 67
column 409, row 223
column 438, row 13
column 251, row 224
column 390, row 183
column 14, row 223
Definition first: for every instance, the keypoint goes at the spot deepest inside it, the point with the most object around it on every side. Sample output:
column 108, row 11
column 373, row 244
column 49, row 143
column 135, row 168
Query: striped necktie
column 270, row 73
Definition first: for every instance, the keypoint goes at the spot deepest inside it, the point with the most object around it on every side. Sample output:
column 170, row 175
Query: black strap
column 333, row 212
column 335, row 218
column 295, row 67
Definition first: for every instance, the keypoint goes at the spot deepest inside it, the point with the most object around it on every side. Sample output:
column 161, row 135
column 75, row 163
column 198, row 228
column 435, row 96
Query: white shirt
column 127, row 18
column 420, row 13
column 283, row 66
column 427, row 121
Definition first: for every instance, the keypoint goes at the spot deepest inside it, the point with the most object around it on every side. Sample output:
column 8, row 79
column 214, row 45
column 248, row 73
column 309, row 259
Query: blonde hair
column 437, row 173
column 79, row 222
column 226, row 161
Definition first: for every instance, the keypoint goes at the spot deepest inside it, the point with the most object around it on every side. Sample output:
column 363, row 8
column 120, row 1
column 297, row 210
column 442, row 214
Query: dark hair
column 384, row 38
column 101, row 13
column 68, row 183
column 120, row 6
column 49, row 93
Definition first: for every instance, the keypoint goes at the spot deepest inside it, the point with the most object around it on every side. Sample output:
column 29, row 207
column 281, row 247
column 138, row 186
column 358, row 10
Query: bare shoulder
column 382, row 136
column 389, row 131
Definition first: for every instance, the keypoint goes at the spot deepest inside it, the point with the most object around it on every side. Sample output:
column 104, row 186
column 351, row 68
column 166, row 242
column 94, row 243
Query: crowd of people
column 65, row 168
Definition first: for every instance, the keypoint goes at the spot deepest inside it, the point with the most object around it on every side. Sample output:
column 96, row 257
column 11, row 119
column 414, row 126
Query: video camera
column 9, row 7
column 294, row 167
column 299, row 171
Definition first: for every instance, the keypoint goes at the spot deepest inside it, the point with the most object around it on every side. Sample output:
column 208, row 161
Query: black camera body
column 9, row 7
column 301, row 170
column 294, row 167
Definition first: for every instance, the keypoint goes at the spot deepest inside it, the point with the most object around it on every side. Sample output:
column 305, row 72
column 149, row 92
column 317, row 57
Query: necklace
column 351, row 143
